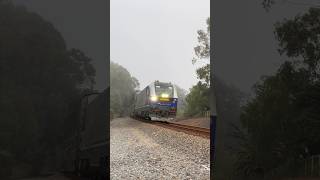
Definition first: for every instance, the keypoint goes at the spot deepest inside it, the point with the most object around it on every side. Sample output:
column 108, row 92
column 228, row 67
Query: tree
column 299, row 37
column 86, row 79
column 275, row 107
column 122, row 90
column 197, row 99
column 39, row 90
column 282, row 120
column 267, row 4
column 202, row 52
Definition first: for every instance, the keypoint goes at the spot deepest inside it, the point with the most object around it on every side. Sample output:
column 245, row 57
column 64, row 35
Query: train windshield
column 164, row 91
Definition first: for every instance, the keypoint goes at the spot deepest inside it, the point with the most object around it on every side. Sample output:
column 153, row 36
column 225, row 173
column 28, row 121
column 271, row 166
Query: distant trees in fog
column 123, row 88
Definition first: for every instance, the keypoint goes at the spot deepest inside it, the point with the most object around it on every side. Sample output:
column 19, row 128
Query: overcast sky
column 154, row 39
column 83, row 24
column 245, row 47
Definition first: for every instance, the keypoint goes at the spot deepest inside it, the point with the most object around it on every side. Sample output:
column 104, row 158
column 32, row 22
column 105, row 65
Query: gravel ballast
column 140, row 150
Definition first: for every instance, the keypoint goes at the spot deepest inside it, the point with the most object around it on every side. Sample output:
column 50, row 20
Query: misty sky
column 154, row 39
column 244, row 43
column 83, row 24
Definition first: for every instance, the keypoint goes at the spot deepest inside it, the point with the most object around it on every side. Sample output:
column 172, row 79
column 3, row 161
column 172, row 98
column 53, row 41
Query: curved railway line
column 193, row 130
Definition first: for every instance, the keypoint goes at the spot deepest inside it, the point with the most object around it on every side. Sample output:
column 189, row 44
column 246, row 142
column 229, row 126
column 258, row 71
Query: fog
column 245, row 47
column 154, row 39
column 83, row 24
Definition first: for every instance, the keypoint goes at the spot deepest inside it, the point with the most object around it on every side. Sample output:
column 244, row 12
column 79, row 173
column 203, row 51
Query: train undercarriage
column 156, row 114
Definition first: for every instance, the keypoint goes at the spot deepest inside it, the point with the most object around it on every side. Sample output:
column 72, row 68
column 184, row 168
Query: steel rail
column 199, row 131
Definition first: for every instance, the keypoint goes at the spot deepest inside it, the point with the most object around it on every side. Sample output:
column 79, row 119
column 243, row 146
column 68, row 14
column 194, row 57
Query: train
column 157, row 101
column 86, row 152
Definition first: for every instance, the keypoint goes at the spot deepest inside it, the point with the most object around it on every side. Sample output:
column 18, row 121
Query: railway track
column 193, row 130
column 198, row 131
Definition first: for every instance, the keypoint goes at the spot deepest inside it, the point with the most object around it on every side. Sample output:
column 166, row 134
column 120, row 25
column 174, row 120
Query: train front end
column 163, row 101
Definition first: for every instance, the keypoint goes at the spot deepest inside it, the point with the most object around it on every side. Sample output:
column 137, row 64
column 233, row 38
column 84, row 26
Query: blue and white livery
column 156, row 102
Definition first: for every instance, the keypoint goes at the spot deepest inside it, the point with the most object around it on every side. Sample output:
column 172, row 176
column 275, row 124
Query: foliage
column 299, row 38
column 282, row 120
column 197, row 100
column 202, row 52
column 267, row 4
column 181, row 100
column 204, row 74
column 40, row 82
column 83, row 63
column 122, row 90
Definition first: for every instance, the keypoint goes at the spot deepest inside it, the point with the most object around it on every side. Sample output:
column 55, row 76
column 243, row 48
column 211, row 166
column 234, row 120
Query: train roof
column 163, row 83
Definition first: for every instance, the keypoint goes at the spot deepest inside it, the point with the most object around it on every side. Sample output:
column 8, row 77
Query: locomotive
column 157, row 101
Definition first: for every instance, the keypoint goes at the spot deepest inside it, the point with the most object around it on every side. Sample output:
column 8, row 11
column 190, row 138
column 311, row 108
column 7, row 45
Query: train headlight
column 165, row 95
column 154, row 98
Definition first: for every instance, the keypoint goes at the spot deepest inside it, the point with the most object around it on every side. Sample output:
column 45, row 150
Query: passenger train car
column 156, row 102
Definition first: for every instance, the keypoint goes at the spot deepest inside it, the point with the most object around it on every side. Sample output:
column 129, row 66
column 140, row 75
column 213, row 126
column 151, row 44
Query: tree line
column 123, row 89
column 40, row 89
column 271, row 134
column 282, row 121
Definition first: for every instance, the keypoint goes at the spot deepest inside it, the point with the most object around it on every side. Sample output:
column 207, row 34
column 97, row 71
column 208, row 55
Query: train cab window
column 164, row 91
